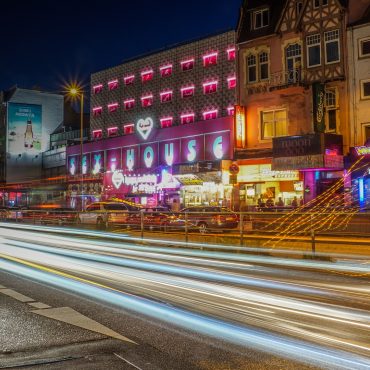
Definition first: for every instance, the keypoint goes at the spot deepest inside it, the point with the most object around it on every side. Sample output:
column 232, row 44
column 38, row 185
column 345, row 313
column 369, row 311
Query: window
column 211, row 114
column 113, row 107
column 331, row 108
column 187, row 118
column 112, row 131
column 332, row 47
column 187, row 91
column 166, row 96
column 147, row 75
column 260, row 18
column 231, row 54
column 365, row 89
column 112, row 85
column 314, row 50
column 129, row 80
column 293, row 62
column 210, row 59
column 230, row 110
column 274, row 123
column 299, row 7
column 264, row 66
column 252, row 68
column 97, row 134
column 129, row 104
column 187, row 65
column 128, row 129
column 166, row 70
column 97, row 111
column 231, row 82
column 316, row 3
column 146, row 101
column 97, row 89
column 166, row 122
column 210, row 87
column 365, row 48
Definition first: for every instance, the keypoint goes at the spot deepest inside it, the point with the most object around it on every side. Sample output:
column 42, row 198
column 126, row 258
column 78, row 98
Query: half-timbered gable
column 289, row 16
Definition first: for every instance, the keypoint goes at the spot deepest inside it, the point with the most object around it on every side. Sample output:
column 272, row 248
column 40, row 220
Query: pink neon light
column 166, row 121
column 98, row 89
column 165, row 67
column 166, row 70
column 210, row 59
column 166, row 92
column 113, row 84
column 128, row 129
column 214, row 54
column 166, row 96
column 210, row 87
column 147, row 97
column 187, row 118
column 187, row 91
column 187, row 65
column 231, row 53
column 231, row 82
column 129, row 103
column 97, row 111
column 112, row 131
column 97, row 134
column 210, row 83
column 147, row 75
column 211, row 114
column 230, row 111
column 113, row 107
column 146, row 101
column 129, row 79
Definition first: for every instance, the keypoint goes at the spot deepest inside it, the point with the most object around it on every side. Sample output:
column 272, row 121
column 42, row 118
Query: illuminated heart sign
column 144, row 127
column 117, row 179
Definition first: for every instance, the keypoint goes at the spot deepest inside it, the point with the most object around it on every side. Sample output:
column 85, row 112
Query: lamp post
column 76, row 92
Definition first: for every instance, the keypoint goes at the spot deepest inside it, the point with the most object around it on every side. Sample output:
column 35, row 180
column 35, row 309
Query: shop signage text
column 362, row 150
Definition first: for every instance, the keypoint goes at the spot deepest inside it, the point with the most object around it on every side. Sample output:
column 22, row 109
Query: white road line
column 18, row 296
column 39, row 305
column 127, row 361
column 70, row 316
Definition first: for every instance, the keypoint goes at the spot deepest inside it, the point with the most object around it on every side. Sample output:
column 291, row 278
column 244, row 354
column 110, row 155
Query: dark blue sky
column 46, row 42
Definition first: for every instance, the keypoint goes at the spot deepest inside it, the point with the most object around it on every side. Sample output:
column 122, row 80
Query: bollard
column 241, row 229
column 186, row 228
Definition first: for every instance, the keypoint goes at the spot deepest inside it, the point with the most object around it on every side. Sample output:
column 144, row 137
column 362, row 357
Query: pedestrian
column 295, row 202
column 280, row 202
column 270, row 203
column 175, row 206
column 301, row 201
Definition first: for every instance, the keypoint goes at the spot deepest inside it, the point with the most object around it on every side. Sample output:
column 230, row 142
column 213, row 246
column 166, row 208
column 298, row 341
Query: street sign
column 234, row 169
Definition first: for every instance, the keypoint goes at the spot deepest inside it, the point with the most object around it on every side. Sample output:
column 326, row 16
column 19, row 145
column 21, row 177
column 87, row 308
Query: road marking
column 2, row 286
column 127, row 361
column 39, row 305
column 70, row 316
column 18, row 296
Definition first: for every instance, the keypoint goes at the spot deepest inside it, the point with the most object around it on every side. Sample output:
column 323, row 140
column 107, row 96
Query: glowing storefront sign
column 217, row 147
column 138, row 183
column 130, row 159
column 97, row 162
column 240, row 129
column 144, row 127
column 166, row 70
column 362, row 150
column 192, row 153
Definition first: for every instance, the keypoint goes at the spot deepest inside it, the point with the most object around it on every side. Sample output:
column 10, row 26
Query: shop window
column 211, row 114
column 231, row 54
column 112, row 85
column 166, row 96
column 313, row 50
column 210, row 87
column 147, row 75
column 231, row 82
column 365, row 89
column 187, row 91
column 210, row 59
column 166, row 70
column 97, row 111
column 264, row 66
column 166, row 122
column 129, row 104
column 230, row 110
column 261, row 18
column 147, row 101
column 97, row 134
column 187, row 65
column 331, row 110
column 112, row 107
column 332, row 47
column 364, row 48
column 112, row 131
column 274, row 123
column 97, row 89
column 252, row 68
column 129, row 80
column 187, row 118
column 128, row 129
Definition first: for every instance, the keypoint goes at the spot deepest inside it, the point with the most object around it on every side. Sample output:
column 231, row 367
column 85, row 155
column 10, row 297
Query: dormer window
column 261, row 18
column 317, row 3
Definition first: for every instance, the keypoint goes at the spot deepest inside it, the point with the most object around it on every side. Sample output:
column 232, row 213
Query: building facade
column 161, row 127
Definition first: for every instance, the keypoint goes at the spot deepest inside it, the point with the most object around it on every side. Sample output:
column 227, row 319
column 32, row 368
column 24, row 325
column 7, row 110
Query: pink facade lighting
column 166, row 122
column 210, row 59
column 97, row 89
column 112, row 131
column 230, row 110
column 231, row 53
column 166, row 70
column 210, row 87
column 166, row 96
column 129, row 80
column 147, row 75
column 187, row 64
column 128, row 129
column 97, row 111
column 113, row 107
column 147, row 100
column 187, row 91
column 129, row 104
column 187, row 118
column 97, row 134
column 231, row 82
column 210, row 114
column 112, row 85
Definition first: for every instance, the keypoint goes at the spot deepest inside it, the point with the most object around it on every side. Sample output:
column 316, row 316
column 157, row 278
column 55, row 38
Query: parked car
column 103, row 214
column 211, row 217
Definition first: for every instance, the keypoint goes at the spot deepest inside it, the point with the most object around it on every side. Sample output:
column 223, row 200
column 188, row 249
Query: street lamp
column 76, row 91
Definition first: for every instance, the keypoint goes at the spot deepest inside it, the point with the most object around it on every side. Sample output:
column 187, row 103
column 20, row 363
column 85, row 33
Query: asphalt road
column 184, row 307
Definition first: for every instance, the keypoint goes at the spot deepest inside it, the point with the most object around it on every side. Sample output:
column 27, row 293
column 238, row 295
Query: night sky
column 47, row 42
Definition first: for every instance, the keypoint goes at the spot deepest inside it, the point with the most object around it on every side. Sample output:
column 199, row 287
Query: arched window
column 264, row 66
column 252, row 68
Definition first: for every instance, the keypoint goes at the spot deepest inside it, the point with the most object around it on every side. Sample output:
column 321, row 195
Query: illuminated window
column 331, row 110
column 231, row 54
column 273, row 123
column 263, row 66
column 332, row 47
column 97, row 134
column 231, row 82
column 147, row 75
column 230, row 110
column 129, row 80
column 129, row 104
column 261, row 18
column 147, row 101
column 187, row 65
column 210, row 59
column 112, row 107
column 211, row 114
column 210, row 87
column 166, row 122
column 97, row 111
column 187, row 118
column 112, row 131
column 112, row 85
column 252, row 68
column 166, row 96
column 97, row 89
column 313, row 50
column 166, row 70
column 128, row 129
column 187, row 91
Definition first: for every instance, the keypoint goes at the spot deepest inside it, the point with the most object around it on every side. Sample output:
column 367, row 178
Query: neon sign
column 166, row 96
column 148, row 156
column 113, row 107
column 98, row 89
column 146, row 101
column 187, row 65
column 231, row 54
column 211, row 114
column 217, row 148
column 210, row 59
column 112, row 85
column 129, row 80
column 129, row 104
column 240, row 129
column 231, row 82
column 362, row 150
column 210, row 87
column 187, row 118
column 166, row 70
column 144, row 127
column 187, row 91
column 147, row 75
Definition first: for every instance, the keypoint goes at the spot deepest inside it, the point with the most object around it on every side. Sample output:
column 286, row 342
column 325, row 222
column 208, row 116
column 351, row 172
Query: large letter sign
column 130, row 159
column 144, row 127
column 192, row 154
column 148, row 156
column 217, row 147
column 168, row 153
